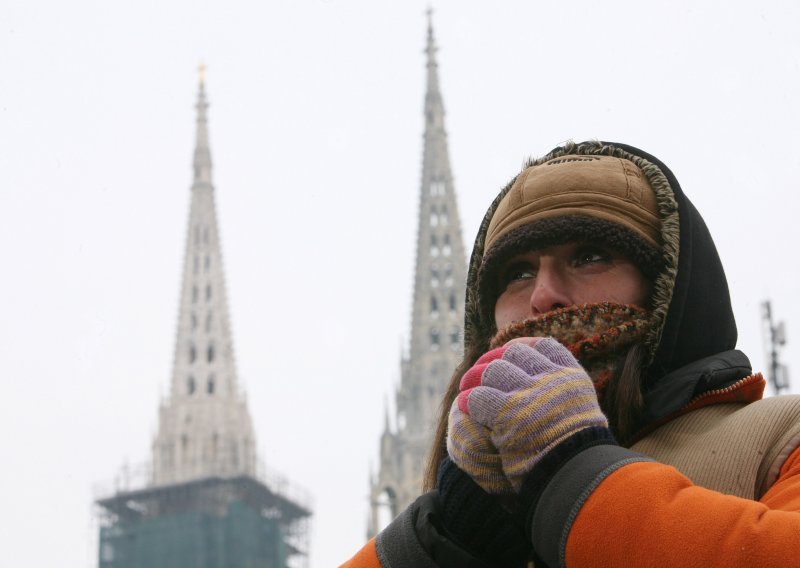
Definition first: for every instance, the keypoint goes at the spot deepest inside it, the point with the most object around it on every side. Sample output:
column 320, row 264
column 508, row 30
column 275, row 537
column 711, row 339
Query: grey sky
column 315, row 125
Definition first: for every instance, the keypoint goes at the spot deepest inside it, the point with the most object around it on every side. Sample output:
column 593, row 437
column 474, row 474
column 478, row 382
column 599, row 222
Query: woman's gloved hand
column 468, row 442
column 527, row 396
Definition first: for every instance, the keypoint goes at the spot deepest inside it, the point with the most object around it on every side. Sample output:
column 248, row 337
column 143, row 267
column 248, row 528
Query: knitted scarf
column 597, row 335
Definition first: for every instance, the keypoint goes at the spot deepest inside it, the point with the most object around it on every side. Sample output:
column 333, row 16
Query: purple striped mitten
column 530, row 399
column 468, row 442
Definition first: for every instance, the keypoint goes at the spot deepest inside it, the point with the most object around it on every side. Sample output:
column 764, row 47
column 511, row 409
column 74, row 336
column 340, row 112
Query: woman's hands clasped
column 515, row 405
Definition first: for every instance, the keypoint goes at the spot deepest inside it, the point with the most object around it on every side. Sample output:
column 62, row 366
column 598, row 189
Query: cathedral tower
column 437, row 317
column 205, row 501
column 204, row 426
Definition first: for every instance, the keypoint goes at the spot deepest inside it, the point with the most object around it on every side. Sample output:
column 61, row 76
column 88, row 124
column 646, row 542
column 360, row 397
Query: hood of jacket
column 691, row 309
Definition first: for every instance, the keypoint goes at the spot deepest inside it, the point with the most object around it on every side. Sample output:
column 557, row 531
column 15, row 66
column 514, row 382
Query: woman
column 635, row 437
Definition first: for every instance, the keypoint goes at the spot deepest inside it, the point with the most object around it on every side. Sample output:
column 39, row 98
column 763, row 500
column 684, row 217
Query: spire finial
column 429, row 13
column 433, row 102
column 202, row 154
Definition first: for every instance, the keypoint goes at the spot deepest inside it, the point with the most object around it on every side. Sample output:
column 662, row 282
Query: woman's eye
column 517, row 272
column 589, row 256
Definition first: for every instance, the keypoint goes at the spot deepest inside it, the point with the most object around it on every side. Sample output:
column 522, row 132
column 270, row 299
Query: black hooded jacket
column 694, row 354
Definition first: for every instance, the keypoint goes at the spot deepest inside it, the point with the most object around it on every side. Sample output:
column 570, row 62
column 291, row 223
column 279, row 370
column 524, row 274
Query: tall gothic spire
column 437, row 313
column 204, row 426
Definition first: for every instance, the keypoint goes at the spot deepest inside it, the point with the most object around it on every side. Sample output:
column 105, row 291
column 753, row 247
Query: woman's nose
column 550, row 291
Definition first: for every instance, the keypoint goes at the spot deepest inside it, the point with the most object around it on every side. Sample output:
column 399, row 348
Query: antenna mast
column 774, row 340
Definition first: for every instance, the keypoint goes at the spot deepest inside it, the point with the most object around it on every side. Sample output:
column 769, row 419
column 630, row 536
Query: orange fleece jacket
column 367, row 557
column 648, row 514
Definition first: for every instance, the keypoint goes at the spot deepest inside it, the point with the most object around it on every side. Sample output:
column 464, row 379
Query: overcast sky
column 315, row 125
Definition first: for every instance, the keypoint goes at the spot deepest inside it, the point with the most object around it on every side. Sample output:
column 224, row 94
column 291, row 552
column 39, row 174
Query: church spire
column 205, row 503
column 204, row 427
column 202, row 152
column 437, row 312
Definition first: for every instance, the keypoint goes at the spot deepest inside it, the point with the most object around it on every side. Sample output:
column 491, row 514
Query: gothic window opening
column 434, row 277
column 194, row 294
column 434, row 217
column 190, row 385
column 434, row 306
column 452, row 302
column 454, row 338
column 192, row 354
column 437, row 188
column 210, row 353
column 208, row 292
column 208, row 322
column 434, row 339
column 207, row 263
column 210, row 385
column 434, row 246
column 443, row 215
column 196, row 266
column 446, row 248
column 448, row 275
column 194, row 322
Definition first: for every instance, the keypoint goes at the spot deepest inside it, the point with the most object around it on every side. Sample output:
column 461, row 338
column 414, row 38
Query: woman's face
column 537, row 282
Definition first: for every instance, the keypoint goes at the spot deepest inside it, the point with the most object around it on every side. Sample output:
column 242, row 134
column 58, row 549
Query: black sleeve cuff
column 560, row 484
column 413, row 539
column 478, row 521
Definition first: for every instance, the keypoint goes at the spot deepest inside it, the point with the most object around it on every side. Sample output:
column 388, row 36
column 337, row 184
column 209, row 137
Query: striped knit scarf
column 598, row 335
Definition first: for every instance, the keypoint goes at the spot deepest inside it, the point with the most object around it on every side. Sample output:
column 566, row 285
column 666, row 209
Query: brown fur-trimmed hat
column 598, row 199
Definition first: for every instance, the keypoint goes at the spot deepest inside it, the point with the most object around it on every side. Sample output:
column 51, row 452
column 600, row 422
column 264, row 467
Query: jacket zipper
column 730, row 388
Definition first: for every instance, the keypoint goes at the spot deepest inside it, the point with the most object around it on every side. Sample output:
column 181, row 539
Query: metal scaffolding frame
column 212, row 522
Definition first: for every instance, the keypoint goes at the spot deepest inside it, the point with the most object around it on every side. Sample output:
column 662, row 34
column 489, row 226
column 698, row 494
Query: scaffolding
column 212, row 522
